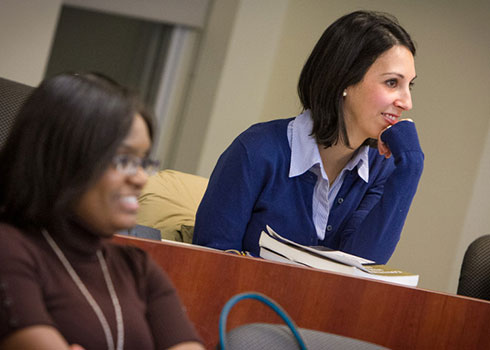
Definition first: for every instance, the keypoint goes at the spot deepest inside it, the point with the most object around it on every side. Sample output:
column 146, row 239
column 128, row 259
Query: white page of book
column 336, row 255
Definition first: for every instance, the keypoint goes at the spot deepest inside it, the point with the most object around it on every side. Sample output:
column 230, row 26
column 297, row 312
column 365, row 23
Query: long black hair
column 63, row 139
column 341, row 58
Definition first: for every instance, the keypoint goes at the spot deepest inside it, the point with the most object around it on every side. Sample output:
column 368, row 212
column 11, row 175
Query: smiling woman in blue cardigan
column 341, row 174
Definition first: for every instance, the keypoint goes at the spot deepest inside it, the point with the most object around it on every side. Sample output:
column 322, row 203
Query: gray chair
column 266, row 336
column 12, row 96
column 474, row 279
column 142, row 231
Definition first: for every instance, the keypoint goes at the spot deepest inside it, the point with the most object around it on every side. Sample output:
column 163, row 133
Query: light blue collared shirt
column 305, row 156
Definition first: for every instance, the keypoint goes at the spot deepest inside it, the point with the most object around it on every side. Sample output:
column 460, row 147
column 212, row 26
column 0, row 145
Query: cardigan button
column 340, row 200
column 329, row 227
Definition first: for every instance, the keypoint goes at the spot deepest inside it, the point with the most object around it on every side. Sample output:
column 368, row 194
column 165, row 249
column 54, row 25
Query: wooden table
column 394, row 316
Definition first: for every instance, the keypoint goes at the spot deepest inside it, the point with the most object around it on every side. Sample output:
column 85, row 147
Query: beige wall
column 245, row 75
column 26, row 33
column 206, row 77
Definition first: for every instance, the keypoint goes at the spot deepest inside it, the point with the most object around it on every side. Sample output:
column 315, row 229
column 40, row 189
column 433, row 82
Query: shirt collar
column 305, row 154
column 304, row 150
column 361, row 160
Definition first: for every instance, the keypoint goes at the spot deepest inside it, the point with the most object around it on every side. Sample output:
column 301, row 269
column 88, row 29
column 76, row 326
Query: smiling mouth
column 390, row 118
column 130, row 203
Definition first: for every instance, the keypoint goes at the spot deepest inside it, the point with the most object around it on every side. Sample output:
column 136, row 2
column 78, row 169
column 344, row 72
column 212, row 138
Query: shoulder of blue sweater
column 261, row 134
column 267, row 140
column 276, row 125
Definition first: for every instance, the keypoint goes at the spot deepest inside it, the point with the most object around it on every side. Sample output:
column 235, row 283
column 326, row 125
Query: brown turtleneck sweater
column 35, row 289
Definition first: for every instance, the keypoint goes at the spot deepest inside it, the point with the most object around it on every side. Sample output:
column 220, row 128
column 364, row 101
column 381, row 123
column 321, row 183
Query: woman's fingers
column 406, row 120
column 383, row 149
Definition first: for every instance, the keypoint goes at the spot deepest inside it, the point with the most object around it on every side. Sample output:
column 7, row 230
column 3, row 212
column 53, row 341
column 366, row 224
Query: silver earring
column 344, row 93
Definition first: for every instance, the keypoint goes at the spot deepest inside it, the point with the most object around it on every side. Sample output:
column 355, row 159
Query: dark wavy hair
column 341, row 58
column 62, row 141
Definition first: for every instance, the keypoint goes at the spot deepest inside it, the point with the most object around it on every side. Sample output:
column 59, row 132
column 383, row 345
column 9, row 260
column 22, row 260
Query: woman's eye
column 391, row 82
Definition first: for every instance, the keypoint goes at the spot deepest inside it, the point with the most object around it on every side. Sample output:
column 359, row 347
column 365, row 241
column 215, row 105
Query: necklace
column 115, row 301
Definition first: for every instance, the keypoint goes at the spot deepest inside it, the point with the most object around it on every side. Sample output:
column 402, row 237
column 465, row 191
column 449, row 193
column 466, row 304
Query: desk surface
column 391, row 315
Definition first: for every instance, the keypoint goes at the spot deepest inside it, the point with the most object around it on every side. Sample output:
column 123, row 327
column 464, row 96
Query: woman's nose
column 404, row 101
column 140, row 177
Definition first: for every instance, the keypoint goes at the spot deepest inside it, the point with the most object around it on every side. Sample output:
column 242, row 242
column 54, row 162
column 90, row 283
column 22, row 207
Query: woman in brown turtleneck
column 72, row 169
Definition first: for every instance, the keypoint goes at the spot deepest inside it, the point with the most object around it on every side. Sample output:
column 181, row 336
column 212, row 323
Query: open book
column 277, row 248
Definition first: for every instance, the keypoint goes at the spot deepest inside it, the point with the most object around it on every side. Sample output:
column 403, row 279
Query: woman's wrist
column 401, row 137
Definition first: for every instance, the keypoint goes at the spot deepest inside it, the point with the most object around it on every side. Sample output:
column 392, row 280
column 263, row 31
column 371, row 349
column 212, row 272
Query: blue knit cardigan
column 250, row 188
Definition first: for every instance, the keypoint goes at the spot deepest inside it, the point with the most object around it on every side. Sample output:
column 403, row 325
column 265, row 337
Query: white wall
column 477, row 220
column 184, row 12
column 206, row 77
column 245, row 75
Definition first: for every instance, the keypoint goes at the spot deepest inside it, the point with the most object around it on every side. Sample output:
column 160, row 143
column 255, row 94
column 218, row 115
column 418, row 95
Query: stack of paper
column 277, row 248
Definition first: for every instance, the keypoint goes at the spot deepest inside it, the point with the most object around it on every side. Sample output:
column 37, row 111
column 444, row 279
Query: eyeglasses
column 129, row 164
